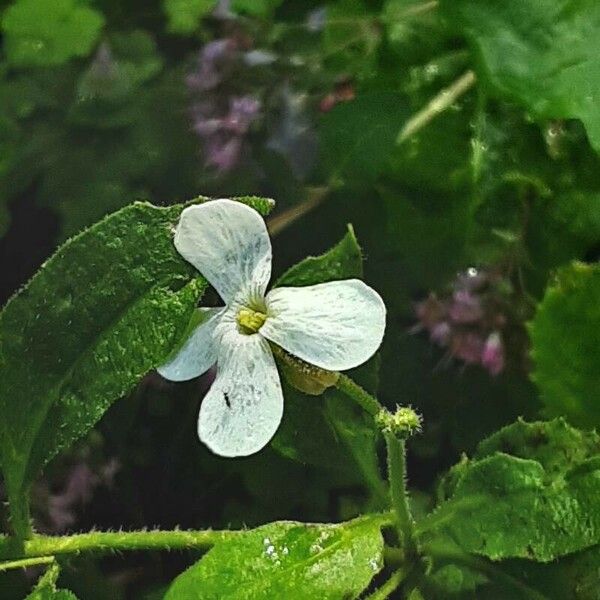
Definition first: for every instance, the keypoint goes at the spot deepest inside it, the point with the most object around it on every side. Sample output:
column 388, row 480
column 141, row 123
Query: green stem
column 109, row 541
column 390, row 585
column 358, row 394
column 396, row 457
column 26, row 562
column 444, row 100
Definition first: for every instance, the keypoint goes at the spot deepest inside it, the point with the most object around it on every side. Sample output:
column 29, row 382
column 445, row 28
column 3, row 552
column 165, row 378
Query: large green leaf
column 49, row 32
column 542, row 53
column 102, row 312
column 287, row 560
column 566, row 345
column 531, row 491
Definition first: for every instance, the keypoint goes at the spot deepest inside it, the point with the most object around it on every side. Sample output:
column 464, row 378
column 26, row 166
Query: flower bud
column 403, row 423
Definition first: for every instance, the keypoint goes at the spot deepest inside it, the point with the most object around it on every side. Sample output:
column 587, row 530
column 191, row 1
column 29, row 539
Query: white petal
column 336, row 325
column 198, row 353
column 228, row 243
column 244, row 406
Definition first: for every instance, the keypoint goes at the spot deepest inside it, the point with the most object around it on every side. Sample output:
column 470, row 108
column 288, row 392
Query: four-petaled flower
column 335, row 326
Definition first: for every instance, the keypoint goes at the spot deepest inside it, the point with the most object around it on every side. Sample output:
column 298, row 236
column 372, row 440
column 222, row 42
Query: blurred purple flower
column 223, row 136
column 440, row 333
column 467, row 346
column 492, row 357
column 474, row 319
column 223, row 153
column 465, row 307
column 212, row 60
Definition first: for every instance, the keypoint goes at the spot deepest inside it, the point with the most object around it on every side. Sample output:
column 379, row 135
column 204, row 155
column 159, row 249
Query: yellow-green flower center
column 250, row 321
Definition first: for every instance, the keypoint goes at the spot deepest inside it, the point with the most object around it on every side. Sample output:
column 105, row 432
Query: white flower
column 334, row 326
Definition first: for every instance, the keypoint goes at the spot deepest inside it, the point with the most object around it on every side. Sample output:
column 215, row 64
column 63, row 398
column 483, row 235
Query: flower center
column 250, row 321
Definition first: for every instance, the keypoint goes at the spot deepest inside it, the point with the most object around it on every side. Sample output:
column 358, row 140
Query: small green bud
column 402, row 423
column 303, row 376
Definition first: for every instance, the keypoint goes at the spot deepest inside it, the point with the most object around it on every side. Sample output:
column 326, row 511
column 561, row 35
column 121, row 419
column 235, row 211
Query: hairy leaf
column 49, row 32
column 102, row 312
column 46, row 587
column 566, row 345
column 287, row 560
column 529, row 492
column 542, row 53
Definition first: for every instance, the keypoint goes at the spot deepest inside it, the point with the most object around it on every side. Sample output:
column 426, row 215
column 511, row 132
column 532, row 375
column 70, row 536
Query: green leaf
column 329, row 431
column 565, row 334
column 102, row 312
column 343, row 261
column 541, row 53
column 184, row 15
column 287, row 560
column 46, row 587
column 530, row 492
column 358, row 136
column 49, row 32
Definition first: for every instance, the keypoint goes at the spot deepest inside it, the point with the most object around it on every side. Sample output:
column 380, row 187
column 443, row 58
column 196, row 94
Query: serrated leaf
column 565, row 334
column 49, row 32
column 287, row 560
column 343, row 261
column 46, row 587
column 102, row 312
column 184, row 15
column 542, row 53
column 539, row 502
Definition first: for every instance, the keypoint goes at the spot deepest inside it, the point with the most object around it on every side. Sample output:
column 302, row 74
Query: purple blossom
column 467, row 346
column 243, row 110
column 440, row 333
column 492, row 357
column 465, row 308
column 212, row 60
column 223, row 153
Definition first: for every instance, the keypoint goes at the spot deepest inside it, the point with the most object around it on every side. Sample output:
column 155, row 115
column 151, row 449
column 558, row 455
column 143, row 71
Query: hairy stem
column 23, row 563
column 109, row 541
column 358, row 394
column 437, row 105
column 396, row 457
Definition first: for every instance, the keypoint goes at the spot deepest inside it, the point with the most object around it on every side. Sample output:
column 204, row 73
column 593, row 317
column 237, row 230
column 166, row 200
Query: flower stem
column 26, row 562
column 358, row 394
column 396, row 457
column 109, row 541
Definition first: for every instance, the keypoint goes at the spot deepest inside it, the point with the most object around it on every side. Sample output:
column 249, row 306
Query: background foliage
column 460, row 139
